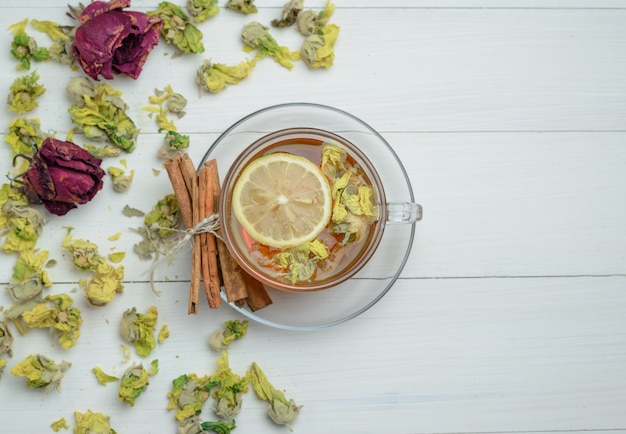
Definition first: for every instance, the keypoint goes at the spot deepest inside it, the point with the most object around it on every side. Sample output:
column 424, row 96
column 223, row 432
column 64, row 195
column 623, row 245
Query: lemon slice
column 282, row 200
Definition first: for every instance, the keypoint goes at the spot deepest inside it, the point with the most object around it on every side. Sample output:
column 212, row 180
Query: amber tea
column 309, row 228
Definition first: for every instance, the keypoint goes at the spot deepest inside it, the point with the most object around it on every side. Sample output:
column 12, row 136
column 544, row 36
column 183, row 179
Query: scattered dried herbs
column 24, row 48
column 318, row 49
column 133, row 383
column 121, row 180
column 24, row 92
column 41, row 372
column 138, row 329
column 202, row 10
column 246, row 7
column 289, row 14
column 57, row 314
column 188, row 395
column 102, row 377
column 256, row 36
column 232, row 331
column 178, row 29
column 24, row 136
column 60, row 424
column 214, row 77
column 230, row 389
column 280, row 410
column 91, row 422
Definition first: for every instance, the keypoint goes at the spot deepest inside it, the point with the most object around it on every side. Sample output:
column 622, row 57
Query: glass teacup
column 346, row 254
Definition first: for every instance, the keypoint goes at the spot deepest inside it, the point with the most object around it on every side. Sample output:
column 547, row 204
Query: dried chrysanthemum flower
column 24, row 48
column 132, row 384
column 26, row 285
column 289, row 14
column 310, row 22
column 101, row 112
column 178, row 29
column 256, row 36
column 6, row 339
column 202, row 10
column 174, row 144
column 280, row 410
column 213, row 77
column 24, row 136
column 41, row 372
column 164, row 217
column 300, row 263
column 318, row 49
column 24, row 92
column 233, row 330
column 91, row 423
column 121, row 180
column 231, row 387
column 57, row 314
column 138, row 329
column 85, row 255
column 244, row 6
column 20, row 223
column 188, row 394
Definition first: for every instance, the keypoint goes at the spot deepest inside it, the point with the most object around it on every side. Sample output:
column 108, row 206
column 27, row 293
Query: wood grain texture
column 510, row 315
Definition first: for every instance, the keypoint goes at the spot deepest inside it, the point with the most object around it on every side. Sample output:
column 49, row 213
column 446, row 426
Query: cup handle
column 403, row 212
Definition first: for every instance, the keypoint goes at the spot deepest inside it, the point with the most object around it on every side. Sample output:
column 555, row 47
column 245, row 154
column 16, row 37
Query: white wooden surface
column 511, row 313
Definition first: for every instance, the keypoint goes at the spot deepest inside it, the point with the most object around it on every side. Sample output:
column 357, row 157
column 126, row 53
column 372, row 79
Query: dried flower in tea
column 138, row 329
column 310, row 22
column 244, row 6
column 256, row 36
column 178, row 29
column 231, row 387
column 233, row 330
column 62, row 175
column 133, row 383
column 41, row 372
column 202, row 10
column 300, row 262
column 101, row 112
column 188, row 395
column 24, row 48
column 280, row 410
column 213, row 77
column 57, row 314
column 24, row 92
column 102, row 377
column 290, row 13
column 318, row 49
column 110, row 40
column 91, row 423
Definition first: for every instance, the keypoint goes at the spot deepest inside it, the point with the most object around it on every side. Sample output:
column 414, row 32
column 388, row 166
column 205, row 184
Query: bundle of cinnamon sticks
column 212, row 265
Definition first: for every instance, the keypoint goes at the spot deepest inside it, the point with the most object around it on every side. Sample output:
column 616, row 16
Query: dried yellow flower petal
column 60, row 424
column 91, row 422
column 280, row 410
column 214, row 77
column 102, row 377
column 132, row 384
column 41, row 372
column 138, row 329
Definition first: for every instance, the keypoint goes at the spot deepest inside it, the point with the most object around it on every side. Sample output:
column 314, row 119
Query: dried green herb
column 188, row 395
column 57, row 314
column 231, row 387
column 174, row 144
column 6, row 339
column 138, row 329
column 27, row 283
column 256, row 36
column 167, row 101
column 20, row 223
column 318, row 49
column 246, row 7
column 280, row 410
column 164, row 334
column 24, row 48
column 214, row 77
column 121, row 180
column 91, row 423
column 164, row 217
column 60, row 424
column 220, row 427
column 133, row 383
column 102, row 377
column 129, row 211
column 232, row 331
column 289, row 14
column 24, row 92
column 24, row 136
column 104, row 151
column 310, row 22
column 41, row 372
column 101, row 112
column 202, row 10
column 178, row 29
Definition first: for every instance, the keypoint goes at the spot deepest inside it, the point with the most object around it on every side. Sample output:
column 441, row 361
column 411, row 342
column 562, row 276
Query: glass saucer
column 319, row 309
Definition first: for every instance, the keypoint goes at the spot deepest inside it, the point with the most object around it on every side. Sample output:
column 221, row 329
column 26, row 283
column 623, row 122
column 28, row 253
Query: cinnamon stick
column 258, row 298
column 210, row 269
column 180, row 190
column 191, row 181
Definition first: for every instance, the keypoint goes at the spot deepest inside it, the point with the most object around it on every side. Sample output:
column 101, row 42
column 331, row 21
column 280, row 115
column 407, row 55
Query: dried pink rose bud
column 112, row 41
column 62, row 175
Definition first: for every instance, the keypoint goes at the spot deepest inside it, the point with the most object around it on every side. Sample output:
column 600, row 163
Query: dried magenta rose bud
column 62, row 175
column 112, row 41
